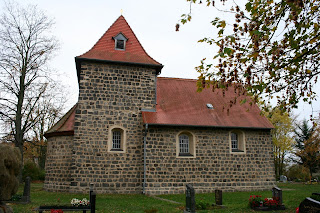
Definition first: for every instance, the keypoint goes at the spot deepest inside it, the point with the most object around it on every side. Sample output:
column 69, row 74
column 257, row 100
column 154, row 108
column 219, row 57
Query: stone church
column 134, row 132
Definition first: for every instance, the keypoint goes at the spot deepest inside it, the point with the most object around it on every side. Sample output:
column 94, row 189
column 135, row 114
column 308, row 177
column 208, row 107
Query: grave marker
column 218, row 195
column 26, row 191
column 190, row 199
column 277, row 193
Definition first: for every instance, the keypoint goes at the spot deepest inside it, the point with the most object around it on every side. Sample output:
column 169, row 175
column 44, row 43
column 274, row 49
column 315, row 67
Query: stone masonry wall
column 58, row 163
column 110, row 95
column 214, row 166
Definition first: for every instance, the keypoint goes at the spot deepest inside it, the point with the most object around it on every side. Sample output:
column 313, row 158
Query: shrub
column 202, row 205
column 298, row 173
column 33, row 171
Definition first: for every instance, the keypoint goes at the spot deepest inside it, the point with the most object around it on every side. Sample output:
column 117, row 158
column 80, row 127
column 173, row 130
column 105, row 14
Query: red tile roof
column 134, row 53
column 65, row 126
column 179, row 103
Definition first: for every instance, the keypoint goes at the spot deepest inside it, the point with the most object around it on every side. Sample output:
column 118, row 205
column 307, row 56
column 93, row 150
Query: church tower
column 117, row 79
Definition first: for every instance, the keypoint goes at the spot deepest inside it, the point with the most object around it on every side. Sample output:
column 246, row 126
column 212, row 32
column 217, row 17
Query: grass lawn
column 293, row 194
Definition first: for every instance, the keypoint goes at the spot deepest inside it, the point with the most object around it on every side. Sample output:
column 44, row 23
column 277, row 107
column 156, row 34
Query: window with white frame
column 120, row 42
column 117, row 139
column 234, row 141
column 237, row 142
column 185, row 145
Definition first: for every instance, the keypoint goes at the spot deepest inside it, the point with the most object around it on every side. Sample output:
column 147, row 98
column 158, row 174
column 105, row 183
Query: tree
column 26, row 46
column 49, row 110
column 310, row 154
column 308, row 145
column 303, row 132
column 281, row 137
column 271, row 48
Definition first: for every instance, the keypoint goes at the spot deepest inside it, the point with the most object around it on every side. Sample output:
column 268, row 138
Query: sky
column 79, row 24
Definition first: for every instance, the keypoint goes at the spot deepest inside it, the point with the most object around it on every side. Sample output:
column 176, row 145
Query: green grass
column 293, row 194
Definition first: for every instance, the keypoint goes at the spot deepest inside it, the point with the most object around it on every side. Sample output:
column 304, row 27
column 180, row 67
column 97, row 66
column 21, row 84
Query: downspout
column 145, row 159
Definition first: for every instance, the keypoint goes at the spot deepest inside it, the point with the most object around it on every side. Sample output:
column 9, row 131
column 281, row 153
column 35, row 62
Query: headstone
column 26, row 191
column 218, row 195
column 90, row 189
column 92, row 202
column 190, row 199
column 309, row 205
column 283, row 178
column 277, row 193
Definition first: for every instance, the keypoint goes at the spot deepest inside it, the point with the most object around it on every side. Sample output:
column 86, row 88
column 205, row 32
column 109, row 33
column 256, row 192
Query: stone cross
column 277, row 193
column 218, row 195
column 26, row 191
column 190, row 199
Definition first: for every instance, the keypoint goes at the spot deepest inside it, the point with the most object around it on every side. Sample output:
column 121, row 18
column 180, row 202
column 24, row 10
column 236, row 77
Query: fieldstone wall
column 110, row 95
column 58, row 163
column 214, row 166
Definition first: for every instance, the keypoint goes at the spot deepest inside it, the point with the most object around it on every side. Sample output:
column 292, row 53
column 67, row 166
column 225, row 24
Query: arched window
column 237, row 142
column 234, row 141
column 117, row 139
column 185, row 145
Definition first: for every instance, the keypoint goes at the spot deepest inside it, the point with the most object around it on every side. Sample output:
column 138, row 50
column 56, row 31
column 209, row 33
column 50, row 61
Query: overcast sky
column 79, row 25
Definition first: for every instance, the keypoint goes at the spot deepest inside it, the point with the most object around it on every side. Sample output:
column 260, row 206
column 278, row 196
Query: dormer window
column 120, row 42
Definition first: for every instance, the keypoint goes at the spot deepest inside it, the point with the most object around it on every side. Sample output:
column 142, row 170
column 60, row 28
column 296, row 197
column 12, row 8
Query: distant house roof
column 104, row 50
column 179, row 104
column 65, row 126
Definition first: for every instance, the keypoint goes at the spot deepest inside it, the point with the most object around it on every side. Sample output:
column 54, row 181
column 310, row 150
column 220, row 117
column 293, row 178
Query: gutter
column 144, row 159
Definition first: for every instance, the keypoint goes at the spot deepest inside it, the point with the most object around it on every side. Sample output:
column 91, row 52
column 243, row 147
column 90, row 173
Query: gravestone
column 218, row 195
column 26, row 191
column 309, row 205
column 190, row 199
column 283, row 178
column 277, row 193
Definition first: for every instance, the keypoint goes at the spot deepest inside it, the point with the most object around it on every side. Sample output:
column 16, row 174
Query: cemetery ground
column 293, row 194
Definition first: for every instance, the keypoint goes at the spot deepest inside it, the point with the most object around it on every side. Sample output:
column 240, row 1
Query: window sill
column 185, row 155
column 116, row 150
column 237, row 151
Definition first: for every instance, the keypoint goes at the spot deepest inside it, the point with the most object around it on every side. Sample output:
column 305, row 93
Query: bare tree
column 49, row 110
column 26, row 45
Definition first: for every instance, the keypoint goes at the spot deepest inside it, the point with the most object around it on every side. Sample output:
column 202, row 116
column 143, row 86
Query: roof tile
column 179, row 103
column 104, row 49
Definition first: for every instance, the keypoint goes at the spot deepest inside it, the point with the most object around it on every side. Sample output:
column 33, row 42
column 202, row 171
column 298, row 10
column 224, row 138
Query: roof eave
column 64, row 133
column 78, row 60
column 208, row 126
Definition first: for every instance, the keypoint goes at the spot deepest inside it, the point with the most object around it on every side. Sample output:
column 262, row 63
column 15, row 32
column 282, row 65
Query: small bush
column 298, row 173
column 16, row 197
column 202, row 205
column 33, row 171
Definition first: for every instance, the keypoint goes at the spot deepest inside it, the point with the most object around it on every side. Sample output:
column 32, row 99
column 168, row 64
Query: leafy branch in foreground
column 270, row 49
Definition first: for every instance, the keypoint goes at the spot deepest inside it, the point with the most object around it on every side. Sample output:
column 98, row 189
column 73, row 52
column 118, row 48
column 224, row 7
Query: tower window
column 120, row 42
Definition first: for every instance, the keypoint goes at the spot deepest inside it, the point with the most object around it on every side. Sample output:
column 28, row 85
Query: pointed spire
column 105, row 49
